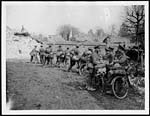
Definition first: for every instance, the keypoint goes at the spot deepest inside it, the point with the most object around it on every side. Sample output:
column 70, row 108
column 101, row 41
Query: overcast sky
column 46, row 18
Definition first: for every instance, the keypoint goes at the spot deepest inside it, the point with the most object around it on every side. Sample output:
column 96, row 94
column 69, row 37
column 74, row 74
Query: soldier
column 59, row 49
column 116, row 65
column 48, row 52
column 67, row 50
column 95, row 60
column 67, row 55
column 122, row 58
column 33, row 54
column 59, row 52
column 89, row 50
column 51, row 56
column 96, row 56
column 76, row 50
column 74, row 58
column 109, row 56
column 42, row 54
column 117, row 53
column 85, row 57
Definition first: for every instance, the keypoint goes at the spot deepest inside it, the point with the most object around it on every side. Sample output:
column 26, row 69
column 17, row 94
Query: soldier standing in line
column 42, row 54
column 74, row 58
column 48, row 51
column 33, row 54
column 51, row 56
column 58, row 54
column 67, row 55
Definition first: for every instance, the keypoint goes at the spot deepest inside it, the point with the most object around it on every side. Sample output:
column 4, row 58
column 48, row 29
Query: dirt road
column 33, row 86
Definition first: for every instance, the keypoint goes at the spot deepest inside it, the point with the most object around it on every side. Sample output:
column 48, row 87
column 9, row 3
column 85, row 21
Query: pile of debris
column 18, row 46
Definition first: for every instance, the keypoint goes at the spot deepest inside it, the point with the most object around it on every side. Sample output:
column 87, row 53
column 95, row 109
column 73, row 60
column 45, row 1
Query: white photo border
column 40, row 112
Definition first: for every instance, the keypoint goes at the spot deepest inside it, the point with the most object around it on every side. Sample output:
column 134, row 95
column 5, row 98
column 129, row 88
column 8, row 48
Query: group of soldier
column 93, row 56
column 46, row 55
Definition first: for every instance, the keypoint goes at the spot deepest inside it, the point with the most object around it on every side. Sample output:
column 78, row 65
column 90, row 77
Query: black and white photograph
column 75, row 57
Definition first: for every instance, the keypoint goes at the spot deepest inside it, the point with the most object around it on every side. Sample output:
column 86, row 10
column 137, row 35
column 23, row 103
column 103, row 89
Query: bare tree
column 134, row 25
column 134, row 21
column 65, row 30
column 99, row 32
column 90, row 33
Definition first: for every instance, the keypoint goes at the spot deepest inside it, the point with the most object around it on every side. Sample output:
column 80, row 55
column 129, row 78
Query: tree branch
column 141, row 14
column 131, row 14
column 129, row 26
column 131, row 21
column 141, row 18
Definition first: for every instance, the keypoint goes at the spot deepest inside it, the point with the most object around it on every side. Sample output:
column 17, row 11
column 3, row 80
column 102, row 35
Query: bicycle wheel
column 120, row 87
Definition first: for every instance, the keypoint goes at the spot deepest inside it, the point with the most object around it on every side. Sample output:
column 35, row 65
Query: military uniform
column 118, row 65
column 59, row 50
column 33, row 54
column 76, row 51
column 122, row 58
column 67, row 55
column 109, row 55
column 94, row 61
column 48, row 55
column 58, row 55
column 95, row 58
column 42, row 54
column 74, row 58
column 85, row 58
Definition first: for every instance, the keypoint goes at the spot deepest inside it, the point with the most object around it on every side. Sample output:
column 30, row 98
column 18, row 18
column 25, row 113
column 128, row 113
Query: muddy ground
column 32, row 86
